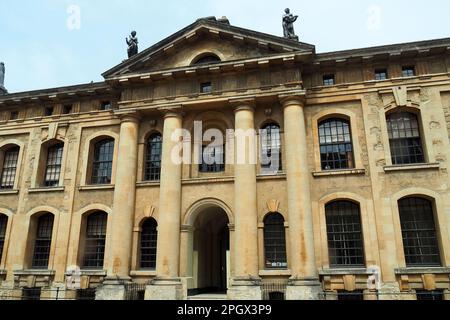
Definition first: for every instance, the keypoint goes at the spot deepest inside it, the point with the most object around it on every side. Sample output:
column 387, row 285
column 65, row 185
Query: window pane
column 103, row 160
column 149, row 236
column 9, row 168
column 345, row 242
column 271, row 148
column 53, row 168
column 43, row 242
column 336, row 148
column 419, row 232
column 404, row 138
column 94, row 249
column 153, row 158
column 213, row 159
column 275, row 241
column 3, row 225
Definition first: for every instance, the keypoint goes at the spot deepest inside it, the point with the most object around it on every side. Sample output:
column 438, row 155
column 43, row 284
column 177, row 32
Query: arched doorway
column 210, row 251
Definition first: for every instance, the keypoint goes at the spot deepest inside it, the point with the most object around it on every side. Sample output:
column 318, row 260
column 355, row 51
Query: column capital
column 292, row 99
column 243, row 104
column 172, row 111
column 134, row 116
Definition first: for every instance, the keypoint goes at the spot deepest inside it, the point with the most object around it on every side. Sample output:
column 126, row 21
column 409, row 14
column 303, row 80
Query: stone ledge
column 344, row 271
column 95, row 273
column 142, row 184
column 34, row 272
column 209, row 180
column 423, row 270
column 39, row 190
column 407, row 167
column 143, row 273
column 97, row 187
column 318, row 174
column 8, row 192
column 275, row 272
column 271, row 176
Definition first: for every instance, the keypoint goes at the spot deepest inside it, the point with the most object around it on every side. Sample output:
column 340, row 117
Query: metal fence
column 274, row 290
column 134, row 291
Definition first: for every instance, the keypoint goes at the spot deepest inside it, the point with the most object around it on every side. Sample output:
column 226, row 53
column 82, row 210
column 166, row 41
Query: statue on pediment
column 132, row 42
column 288, row 25
column 2, row 75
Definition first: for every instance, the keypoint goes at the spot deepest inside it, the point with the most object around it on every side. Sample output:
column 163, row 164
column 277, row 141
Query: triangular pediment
column 207, row 37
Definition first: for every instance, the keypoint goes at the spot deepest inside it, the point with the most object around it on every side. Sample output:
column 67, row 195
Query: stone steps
column 209, row 296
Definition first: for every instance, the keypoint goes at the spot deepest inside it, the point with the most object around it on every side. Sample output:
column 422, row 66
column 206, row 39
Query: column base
column 112, row 289
column 391, row 291
column 303, row 289
column 166, row 289
column 245, row 289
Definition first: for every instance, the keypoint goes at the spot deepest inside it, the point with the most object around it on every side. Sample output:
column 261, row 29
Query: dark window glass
column 206, row 87
column 149, row 236
column 345, row 241
column 43, row 242
column 103, row 161
column 86, row 294
column 328, row 80
column 350, row 295
column 213, row 159
column 9, row 168
column 275, row 241
column 48, row 111
column 94, row 249
column 336, row 148
column 404, row 138
column 207, row 60
column 420, row 242
column 409, row 71
column 153, row 158
column 3, row 225
column 31, row 294
column 436, row 295
column 106, row 105
column 381, row 74
column 67, row 109
column 53, row 167
column 14, row 115
column 271, row 146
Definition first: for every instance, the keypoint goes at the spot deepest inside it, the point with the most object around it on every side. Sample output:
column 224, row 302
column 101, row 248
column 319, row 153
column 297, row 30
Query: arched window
column 95, row 240
column 3, row 225
column 102, row 162
column 53, row 165
column 344, row 232
column 213, row 159
column 275, row 241
column 420, row 242
column 9, row 168
column 207, row 59
column 149, row 237
column 153, row 158
column 404, row 138
column 42, row 241
column 271, row 147
column 336, row 148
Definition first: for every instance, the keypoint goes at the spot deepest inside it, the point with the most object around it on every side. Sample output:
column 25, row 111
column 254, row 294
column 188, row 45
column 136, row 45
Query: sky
column 53, row 43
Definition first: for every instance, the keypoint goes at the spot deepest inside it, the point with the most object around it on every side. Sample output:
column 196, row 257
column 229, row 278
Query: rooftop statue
column 288, row 25
column 132, row 43
column 2, row 75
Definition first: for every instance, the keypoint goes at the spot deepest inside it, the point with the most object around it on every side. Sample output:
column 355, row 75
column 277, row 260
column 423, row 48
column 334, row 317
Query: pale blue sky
column 40, row 51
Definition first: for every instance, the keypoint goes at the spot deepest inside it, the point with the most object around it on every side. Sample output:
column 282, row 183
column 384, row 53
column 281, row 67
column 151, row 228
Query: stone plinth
column 165, row 289
column 303, row 289
column 245, row 289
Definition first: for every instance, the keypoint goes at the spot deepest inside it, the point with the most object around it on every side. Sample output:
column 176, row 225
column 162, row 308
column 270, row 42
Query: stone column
column 122, row 218
column 246, row 281
column 167, row 285
column 304, row 284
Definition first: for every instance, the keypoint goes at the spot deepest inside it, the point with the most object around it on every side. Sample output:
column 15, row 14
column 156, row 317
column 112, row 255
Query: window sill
column 346, row 172
column 52, row 189
column 344, row 271
column 93, row 273
column 148, row 184
column 422, row 270
column 275, row 272
column 271, row 176
column 143, row 273
column 209, row 180
column 417, row 166
column 97, row 187
column 35, row 272
column 8, row 191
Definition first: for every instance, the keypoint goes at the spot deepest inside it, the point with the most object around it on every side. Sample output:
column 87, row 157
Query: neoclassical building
column 358, row 207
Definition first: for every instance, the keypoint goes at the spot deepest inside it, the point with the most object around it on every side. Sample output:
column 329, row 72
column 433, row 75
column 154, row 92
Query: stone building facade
column 91, row 201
